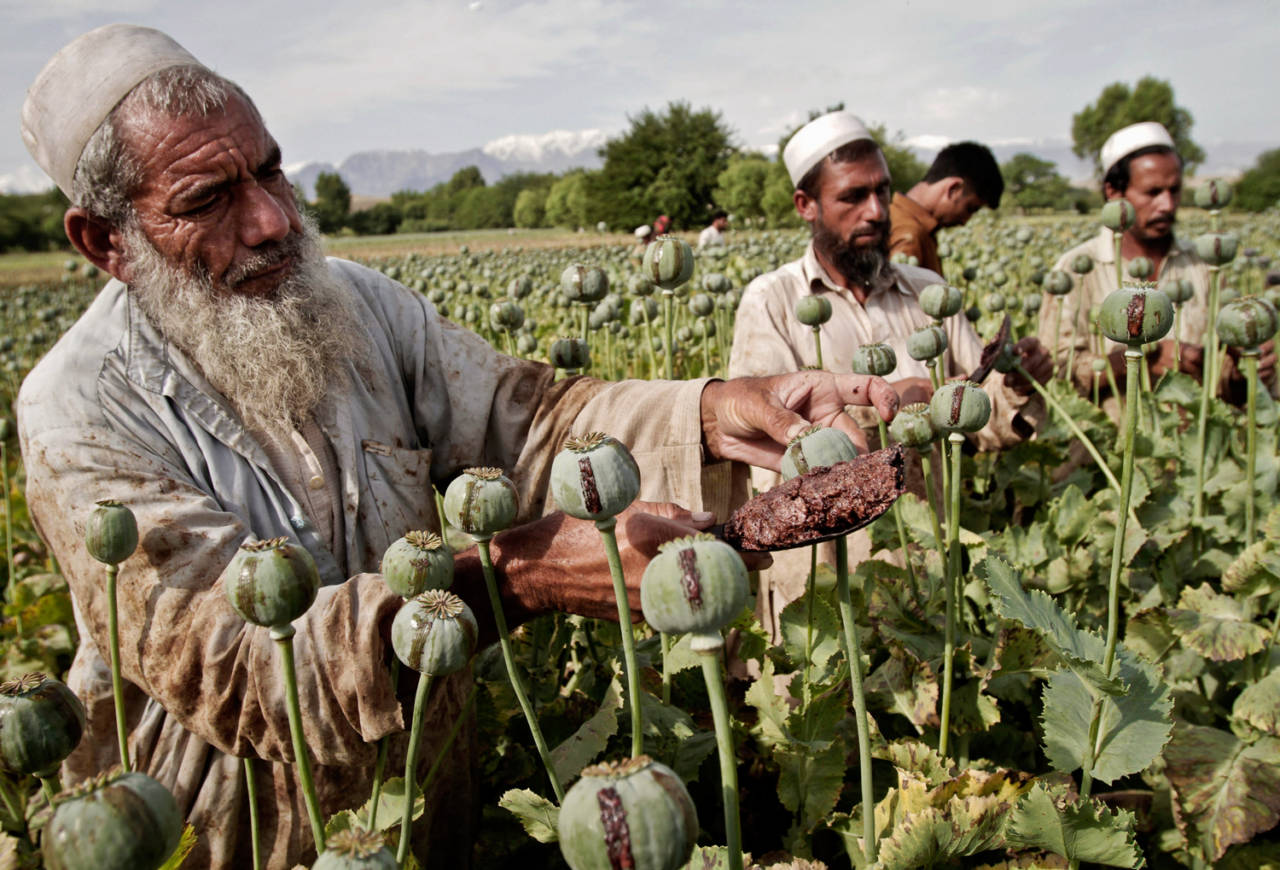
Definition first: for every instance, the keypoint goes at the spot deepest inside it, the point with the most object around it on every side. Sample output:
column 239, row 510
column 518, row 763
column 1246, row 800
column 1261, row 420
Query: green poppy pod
column 642, row 310
column 1213, row 194
column 1217, row 249
column 1246, row 323
column 941, row 300
column 1136, row 314
column 594, row 477
column 813, row 310
column 1031, row 304
column 815, row 447
column 960, row 407
column 1140, row 268
column 584, row 284
column 635, row 814
column 417, row 562
column 527, row 345
column 1098, row 364
column 875, row 359
column 717, row 283
column 640, row 285
column 993, row 301
column 1228, row 294
column 970, row 273
column 41, row 722
column 481, row 502
column 271, row 582
column 668, row 262
column 506, row 315
column 569, row 353
column 1118, row 215
column 355, row 849
column 519, row 288
column 704, row 328
column 123, row 821
column 1082, row 264
column 999, row 278
column 434, row 633
column 111, row 533
column 927, row 342
column 1178, row 290
column 913, row 426
column 701, row 304
column 696, row 584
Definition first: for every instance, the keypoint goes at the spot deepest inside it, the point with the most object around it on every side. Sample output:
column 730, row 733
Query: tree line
column 684, row 163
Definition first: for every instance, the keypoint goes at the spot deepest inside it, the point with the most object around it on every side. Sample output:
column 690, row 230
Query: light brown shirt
column 911, row 232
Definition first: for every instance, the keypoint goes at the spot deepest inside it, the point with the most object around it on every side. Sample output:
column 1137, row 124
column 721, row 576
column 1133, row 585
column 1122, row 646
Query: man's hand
column 1189, row 360
column 752, row 419
column 1035, row 359
column 558, row 563
column 913, row 390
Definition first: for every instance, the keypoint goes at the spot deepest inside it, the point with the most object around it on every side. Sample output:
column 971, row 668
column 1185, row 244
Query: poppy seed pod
column 927, row 342
column 356, row 849
column 993, row 301
column 518, row 288
column 434, row 633
column 1178, row 290
column 635, row 813
column 1082, row 264
column 695, row 584
column 584, row 284
column 1213, row 194
column 594, row 477
column 960, row 407
column 815, row 447
column 111, row 533
column 569, row 353
column 1140, row 268
column 1246, row 323
column 913, row 426
column 1118, row 215
column 41, row 722
column 668, row 262
column 481, row 502
column 271, row 582
column 941, row 300
column 813, row 310
column 1031, row 304
column 417, row 562
column 1217, row 249
column 701, row 304
column 124, row 821
column 1136, row 314
column 875, row 359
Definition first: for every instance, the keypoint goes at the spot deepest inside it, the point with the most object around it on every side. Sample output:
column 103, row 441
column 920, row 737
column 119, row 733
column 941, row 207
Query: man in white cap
column 229, row 383
column 1139, row 164
column 842, row 191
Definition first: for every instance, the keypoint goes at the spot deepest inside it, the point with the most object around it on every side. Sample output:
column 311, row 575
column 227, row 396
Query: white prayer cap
column 815, row 140
column 643, row 230
column 1127, row 140
column 80, row 86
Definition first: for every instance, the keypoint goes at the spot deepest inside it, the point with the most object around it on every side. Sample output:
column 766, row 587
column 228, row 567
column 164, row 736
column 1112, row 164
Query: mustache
column 277, row 254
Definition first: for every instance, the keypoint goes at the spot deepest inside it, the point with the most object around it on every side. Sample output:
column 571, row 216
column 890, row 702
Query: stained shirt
column 911, row 232
column 114, row 411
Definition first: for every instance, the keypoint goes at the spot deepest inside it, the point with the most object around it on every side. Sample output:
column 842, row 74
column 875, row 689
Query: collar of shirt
column 816, row 277
column 916, row 212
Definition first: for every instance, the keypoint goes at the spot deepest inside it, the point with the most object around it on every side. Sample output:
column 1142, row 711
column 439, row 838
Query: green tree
column 1151, row 99
column 740, row 188
column 1259, row 188
column 466, row 178
column 777, row 203
column 531, row 207
column 666, row 163
column 333, row 201
column 567, row 201
column 1032, row 182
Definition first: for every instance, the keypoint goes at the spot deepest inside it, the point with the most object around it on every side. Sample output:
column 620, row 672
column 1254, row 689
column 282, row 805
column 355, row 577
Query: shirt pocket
column 400, row 483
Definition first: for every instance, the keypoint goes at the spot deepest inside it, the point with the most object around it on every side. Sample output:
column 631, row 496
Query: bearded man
column 842, row 189
column 229, row 384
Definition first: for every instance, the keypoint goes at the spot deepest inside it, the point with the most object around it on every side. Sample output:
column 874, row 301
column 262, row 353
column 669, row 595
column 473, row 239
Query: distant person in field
column 230, row 383
column 964, row 177
column 842, row 192
column 713, row 234
column 1139, row 163
column 661, row 225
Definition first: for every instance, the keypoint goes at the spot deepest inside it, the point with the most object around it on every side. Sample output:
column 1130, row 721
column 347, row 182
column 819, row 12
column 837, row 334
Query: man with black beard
column 230, row 384
column 842, row 188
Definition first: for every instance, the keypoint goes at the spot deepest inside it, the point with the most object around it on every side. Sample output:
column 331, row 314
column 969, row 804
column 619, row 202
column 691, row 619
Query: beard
column 864, row 265
column 274, row 356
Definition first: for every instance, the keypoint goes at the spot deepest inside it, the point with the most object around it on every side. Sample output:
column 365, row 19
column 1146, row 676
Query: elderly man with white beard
column 229, row 383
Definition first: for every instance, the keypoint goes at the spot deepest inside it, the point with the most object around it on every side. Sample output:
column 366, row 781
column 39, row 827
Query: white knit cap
column 1127, row 140
column 80, row 86
column 815, row 140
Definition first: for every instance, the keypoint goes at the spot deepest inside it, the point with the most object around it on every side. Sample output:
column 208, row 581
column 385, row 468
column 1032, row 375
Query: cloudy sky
column 337, row 77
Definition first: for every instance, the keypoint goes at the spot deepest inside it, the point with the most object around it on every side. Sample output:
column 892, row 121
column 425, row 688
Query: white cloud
column 25, row 179
column 534, row 147
column 928, row 142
